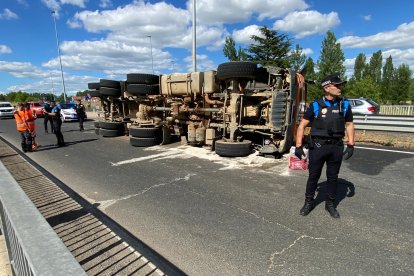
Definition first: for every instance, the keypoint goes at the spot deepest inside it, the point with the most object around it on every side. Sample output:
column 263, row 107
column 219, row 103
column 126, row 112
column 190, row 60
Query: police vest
column 329, row 118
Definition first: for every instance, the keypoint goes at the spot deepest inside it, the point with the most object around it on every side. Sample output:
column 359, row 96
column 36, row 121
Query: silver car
column 364, row 106
column 6, row 110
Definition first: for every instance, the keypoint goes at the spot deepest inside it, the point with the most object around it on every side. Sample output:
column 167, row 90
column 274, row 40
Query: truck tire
column 233, row 149
column 142, row 142
column 97, row 131
column 144, row 132
column 107, row 91
column 96, row 124
column 94, row 85
column 237, row 69
column 143, row 89
column 109, row 132
column 111, row 125
column 109, row 83
column 142, row 78
column 94, row 93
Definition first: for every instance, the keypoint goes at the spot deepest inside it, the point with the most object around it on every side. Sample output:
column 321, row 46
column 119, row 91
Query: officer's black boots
column 330, row 207
column 307, row 207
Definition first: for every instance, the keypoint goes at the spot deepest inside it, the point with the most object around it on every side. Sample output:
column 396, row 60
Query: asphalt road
column 219, row 216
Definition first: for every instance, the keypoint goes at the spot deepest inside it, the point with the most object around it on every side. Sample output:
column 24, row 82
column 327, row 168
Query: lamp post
column 152, row 58
column 60, row 58
column 194, row 38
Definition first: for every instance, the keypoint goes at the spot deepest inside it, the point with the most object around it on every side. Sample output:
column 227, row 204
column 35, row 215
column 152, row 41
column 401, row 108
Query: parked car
column 37, row 108
column 6, row 110
column 68, row 112
column 364, row 106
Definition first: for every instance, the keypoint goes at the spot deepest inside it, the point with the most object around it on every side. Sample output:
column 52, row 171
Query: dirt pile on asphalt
column 390, row 139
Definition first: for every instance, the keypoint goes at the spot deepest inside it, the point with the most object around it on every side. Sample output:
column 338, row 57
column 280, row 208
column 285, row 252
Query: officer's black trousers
column 57, row 123
column 48, row 119
column 331, row 154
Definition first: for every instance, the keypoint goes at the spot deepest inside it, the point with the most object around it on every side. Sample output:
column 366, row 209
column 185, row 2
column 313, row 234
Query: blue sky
column 108, row 38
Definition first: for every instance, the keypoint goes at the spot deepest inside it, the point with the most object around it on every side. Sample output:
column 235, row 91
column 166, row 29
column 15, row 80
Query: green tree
column 230, row 51
column 387, row 80
column 360, row 66
column 375, row 66
column 313, row 89
column 297, row 58
column 401, row 85
column 271, row 48
column 363, row 88
column 2, row 97
column 331, row 59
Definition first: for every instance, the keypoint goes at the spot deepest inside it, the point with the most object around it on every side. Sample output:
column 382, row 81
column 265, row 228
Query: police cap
column 332, row 79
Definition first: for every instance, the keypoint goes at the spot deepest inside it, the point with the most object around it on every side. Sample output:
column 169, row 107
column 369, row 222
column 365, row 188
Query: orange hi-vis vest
column 20, row 117
column 30, row 120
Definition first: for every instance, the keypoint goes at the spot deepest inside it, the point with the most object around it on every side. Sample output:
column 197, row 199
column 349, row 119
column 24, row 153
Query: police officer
column 80, row 111
column 57, row 123
column 47, row 119
column 329, row 116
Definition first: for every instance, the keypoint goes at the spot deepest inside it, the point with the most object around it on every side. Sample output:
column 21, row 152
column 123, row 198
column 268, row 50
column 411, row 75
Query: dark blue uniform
column 57, row 123
column 328, row 120
column 47, row 119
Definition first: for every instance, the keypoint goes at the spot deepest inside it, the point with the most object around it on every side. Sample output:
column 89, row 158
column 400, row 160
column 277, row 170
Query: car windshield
column 372, row 102
column 68, row 106
column 5, row 105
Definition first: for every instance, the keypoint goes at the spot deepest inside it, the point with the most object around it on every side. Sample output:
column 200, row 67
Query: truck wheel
column 94, row 93
column 97, row 131
column 165, row 135
column 143, row 89
column 107, row 91
column 233, row 149
column 142, row 142
column 143, row 78
column 144, row 132
column 94, row 85
column 111, row 125
column 109, row 132
column 237, row 69
column 109, row 83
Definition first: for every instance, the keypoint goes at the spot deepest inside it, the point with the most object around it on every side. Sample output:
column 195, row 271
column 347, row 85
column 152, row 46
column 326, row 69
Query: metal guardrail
column 398, row 110
column 33, row 246
column 384, row 123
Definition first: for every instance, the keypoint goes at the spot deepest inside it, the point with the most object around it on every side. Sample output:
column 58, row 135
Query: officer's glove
column 348, row 152
column 299, row 152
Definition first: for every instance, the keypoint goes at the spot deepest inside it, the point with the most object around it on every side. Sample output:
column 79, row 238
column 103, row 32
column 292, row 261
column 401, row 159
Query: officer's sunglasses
column 339, row 85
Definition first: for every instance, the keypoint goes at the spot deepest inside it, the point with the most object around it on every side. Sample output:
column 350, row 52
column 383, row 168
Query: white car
column 68, row 112
column 6, row 110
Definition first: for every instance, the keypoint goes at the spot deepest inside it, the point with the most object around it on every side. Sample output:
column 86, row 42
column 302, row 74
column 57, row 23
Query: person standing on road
column 47, row 119
column 329, row 116
column 57, row 123
column 80, row 111
column 22, row 124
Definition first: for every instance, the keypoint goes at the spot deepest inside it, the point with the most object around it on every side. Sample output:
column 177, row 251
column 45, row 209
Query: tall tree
column 314, row 90
column 387, row 80
column 331, row 59
column 297, row 58
column 401, row 84
column 375, row 66
column 230, row 51
column 271, row 48
column 359, row 67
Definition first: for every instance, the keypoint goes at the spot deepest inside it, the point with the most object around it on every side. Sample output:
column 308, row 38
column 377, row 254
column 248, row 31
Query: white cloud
column 79, row 3
column 307, row 51
column 306, row 23
column 244, row 35
column 4, row 49
column 105, row 4
column 367, row 17
column 231, row 11
column 8, row 14
column 203, row 63
column 402, row 37
column 51, row 4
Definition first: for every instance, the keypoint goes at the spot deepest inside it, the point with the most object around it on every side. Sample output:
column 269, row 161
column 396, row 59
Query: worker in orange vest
column 31, row 117
column 23, row 123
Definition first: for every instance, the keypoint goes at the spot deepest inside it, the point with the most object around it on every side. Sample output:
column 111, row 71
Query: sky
column 111, row 38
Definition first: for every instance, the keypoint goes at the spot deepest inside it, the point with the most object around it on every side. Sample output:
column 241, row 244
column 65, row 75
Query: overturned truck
column 233, row 110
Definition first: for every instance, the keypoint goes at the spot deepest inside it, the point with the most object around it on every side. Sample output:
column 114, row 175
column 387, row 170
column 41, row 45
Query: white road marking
column 397, row 151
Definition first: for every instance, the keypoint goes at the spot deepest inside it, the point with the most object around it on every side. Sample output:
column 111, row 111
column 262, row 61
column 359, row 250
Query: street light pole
column 60, row 58
column 152, row 58
column 194, row 38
